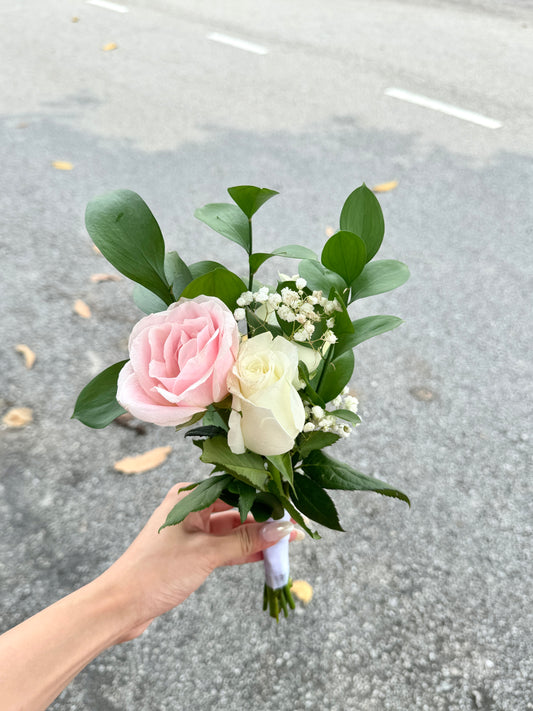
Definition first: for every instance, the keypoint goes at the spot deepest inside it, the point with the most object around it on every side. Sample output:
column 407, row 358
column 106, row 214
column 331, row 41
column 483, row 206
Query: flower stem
column 278, row 600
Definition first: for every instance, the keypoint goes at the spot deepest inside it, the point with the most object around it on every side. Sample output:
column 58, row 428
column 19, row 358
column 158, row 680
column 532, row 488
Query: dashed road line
column 238, row 43
column 115, row 7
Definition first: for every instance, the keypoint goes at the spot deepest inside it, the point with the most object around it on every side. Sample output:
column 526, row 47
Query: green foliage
column 309, row 441
column 365, row 328
column 125, row 231
column 292, row 251
column 336, row 375
column 147, row 301
column 207, row 431
column 347, row 415
column 177, row 273
column 222, row 283
column 201, row 497
column 362, row 215
column 318, row 277
column 97, row 404
column 297, row 516
column 332, row 474
column 283, row 463
column 266, row 506
column 228, row 220
column 198, row 269
column 247, row 495
column 195, row 418
column 345, row 254
column 379, row 277
column 247, row 467
column 249, row 198
column 311, row 499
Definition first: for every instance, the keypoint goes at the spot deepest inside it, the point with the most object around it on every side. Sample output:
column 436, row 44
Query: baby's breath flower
column 245, row 299
column 274, row 300
column 330, row 322
column 309, row 328
column 309, row 427
column 286, row 314
column 317, row 412
column 312, row 300
column 331, row 306
column 261, row 296
column 329, row 337
column 240, row 314
column 300, row 283
column 300, row 336
column 301, row 318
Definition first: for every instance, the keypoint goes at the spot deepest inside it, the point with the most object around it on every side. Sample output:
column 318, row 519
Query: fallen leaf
column 385, row 187
column 18, row 417
column 81, row 308
column 110, row 46
column 97, row 278
column 143, row 462
column 302, row 590
column 95, row 249
column 75, row 19
column 329, row 231
column 29, row 355
column 62, row 165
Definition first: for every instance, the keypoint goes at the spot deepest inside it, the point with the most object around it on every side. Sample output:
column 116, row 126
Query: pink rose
column 179, row 361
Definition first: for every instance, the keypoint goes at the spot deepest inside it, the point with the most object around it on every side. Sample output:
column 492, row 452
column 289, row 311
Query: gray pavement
column 427, row 609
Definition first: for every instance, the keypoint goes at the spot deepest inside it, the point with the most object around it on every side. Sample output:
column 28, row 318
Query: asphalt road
column 428, row 608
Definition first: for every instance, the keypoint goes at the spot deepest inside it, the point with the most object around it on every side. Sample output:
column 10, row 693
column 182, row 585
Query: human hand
column 160, row 570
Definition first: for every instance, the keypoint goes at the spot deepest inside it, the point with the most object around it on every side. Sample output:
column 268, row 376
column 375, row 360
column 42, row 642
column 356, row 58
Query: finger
column 246, row 540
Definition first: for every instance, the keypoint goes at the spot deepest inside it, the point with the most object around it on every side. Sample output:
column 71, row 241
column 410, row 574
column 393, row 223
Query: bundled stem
column 278, row 600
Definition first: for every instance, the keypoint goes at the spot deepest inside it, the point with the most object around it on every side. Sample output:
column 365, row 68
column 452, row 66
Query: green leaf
column 365, row 328
column 266, row 506
column 228, row 220
column 125, row 231
column 332, row 474
column 311, row 393
column 283, row 464
column 201, row 497
column 206, row 431
column 249, row 198
column 293, row 251
column 247, row 467
column 309, row 441
column 297, row 516
column 247, row 496
column 222, row 283
column 336, row 375
column 97, row 404
column 204, row 267
column 347, row 415
column 379, row 277
column 345, row 254
column 362, row 215
column 195, row 418
column 319, row 277
column 147, row 301
column 343, row 322
column 314, row 502
column 177, row 273
column 214, row 418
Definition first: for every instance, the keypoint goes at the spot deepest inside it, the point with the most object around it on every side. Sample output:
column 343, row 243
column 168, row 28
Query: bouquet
column 261, row 371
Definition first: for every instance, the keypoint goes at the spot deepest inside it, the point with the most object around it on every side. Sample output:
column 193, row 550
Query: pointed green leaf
column 97, row 404
column 362, row 215
column 345, row 254
column 177, row 273
column 283, row 464
column 247, row 495
column 200, row 498
column 309, row 441
column 204, row 267
column 249, row 198
column 222, row 283
column 297, row 516
column 248, row 467
column 147, row 301
column 292, row 251
column 125, row 231
column 318, row 277
column 365, row 328
column 337, row 374
column 195, row 418
column 379, row 277
column 347, row 415
column 266, row 506
column 311, row 499
column 228, row 220
column 332, row 474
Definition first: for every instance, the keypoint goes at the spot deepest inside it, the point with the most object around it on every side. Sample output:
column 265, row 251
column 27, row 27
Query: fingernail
column 298, row 535
column 275, row 531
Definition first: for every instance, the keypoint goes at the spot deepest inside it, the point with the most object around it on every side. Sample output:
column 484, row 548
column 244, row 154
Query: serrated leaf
column 228, row 220
column 221, row 283
column 249, row 198
column 248, row 467
column 201, row 497
column 97, row 404
column 362, row 215
column 266, row 506
column 309, row 441
column 247, row 495
column 147, row 301
column 311, row 499
column 283, row 464
column 345, row 254
column 378, row 278
column 365, row 328
column 125, row 231
column 143, row 462
column 332, row 474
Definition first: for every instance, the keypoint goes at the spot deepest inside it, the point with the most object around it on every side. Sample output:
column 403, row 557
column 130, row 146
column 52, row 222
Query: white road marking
column 240, row 44
column 449, row 109
column 108, row 5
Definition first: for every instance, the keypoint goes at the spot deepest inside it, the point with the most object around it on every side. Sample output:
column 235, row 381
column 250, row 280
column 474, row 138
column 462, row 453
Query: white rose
column 267, row 413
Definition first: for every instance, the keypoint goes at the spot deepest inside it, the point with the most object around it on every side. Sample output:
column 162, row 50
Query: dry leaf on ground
column 26, row 351
column 75, row 19
column 110, row 46
column 329, row 231
column 385, row 187
column 302, row 590
column 143, row 462
column 97, row 278
column 18, row 417
column 62, row 165
column 81, row 308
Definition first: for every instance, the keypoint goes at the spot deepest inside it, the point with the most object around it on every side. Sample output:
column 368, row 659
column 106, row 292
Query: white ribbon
column 276, row 560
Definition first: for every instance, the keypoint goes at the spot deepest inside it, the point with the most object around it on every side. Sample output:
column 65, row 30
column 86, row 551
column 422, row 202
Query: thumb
column 245, row 541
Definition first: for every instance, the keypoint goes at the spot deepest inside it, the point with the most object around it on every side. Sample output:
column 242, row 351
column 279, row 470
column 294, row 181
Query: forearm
column 39, row 657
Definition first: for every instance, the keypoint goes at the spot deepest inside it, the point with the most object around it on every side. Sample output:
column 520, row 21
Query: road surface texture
column 425, row 609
